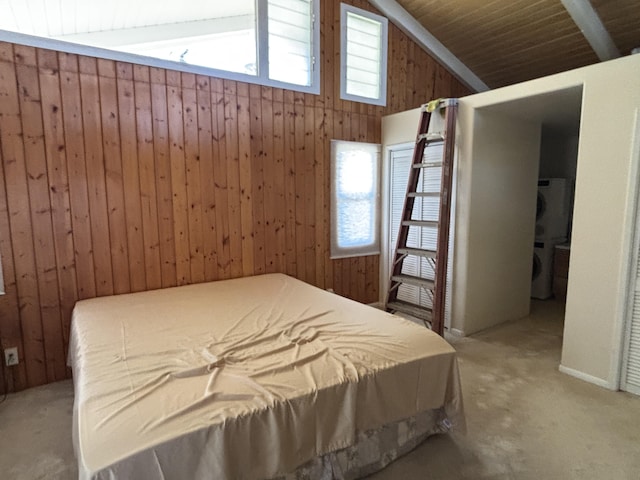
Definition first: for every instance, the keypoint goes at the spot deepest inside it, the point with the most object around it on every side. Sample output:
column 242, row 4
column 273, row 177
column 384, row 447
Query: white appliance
column 553, row 208
column 542, row 274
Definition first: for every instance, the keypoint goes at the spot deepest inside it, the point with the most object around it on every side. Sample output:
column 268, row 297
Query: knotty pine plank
column 207, row 189
column 131, row 175
column 41, row 223
column 260, row 165
column 301, row 214
column 319, row 204
column 256, row 161
column 278, row 176
column 77, row 175
column 220, row 164
column 192, row 171
column 310, row 163
column 10, row 328
column 290, row 184
column 163, row 177
column 11, row 139
column 56, row 159
column 231, row 107
column 178, row 178
column 269, row 182
column 94, row 155
column 326, row 218
column 245, row 174
column 113, row 177
column 146, row 175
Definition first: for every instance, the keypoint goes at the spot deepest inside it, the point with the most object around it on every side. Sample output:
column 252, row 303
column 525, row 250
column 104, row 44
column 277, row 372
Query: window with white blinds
column 290, row 29
column 420, row 237
column 355, row 212
column 268, row 42
column 363, row 56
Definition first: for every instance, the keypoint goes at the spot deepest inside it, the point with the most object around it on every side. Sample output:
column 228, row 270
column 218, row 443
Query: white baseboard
column 456, row 332
column 587, row 378
column 378, row 305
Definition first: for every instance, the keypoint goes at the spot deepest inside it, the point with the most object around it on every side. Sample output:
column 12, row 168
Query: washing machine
column 553, row 208
column 542, row 273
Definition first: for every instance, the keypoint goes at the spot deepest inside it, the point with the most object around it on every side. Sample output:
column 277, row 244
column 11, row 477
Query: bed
column 260, row 377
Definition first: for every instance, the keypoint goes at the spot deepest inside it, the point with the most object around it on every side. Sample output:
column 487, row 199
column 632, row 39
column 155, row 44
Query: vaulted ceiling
column 510, row 41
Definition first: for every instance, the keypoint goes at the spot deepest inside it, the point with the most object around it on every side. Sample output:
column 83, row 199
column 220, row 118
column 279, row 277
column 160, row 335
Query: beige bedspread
column 244, row 378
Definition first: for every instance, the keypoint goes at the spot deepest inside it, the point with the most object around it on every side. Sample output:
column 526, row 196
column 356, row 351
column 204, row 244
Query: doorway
column 509, row 141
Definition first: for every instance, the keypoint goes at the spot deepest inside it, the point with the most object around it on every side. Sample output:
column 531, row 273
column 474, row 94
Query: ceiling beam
column 409, row 25
column 591, row 26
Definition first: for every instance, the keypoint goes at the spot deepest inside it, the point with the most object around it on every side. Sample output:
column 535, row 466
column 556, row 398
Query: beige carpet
column 525, row 419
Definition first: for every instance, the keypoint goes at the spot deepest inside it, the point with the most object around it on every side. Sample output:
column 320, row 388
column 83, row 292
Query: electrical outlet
column 11, row 356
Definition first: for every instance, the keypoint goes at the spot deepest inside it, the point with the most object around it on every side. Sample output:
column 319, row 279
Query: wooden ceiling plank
column 401, row 18
column 560, row 49
column 491, row 14
column 497, row 45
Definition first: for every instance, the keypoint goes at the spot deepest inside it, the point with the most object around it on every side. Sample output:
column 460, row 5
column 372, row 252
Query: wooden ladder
column 436, row 282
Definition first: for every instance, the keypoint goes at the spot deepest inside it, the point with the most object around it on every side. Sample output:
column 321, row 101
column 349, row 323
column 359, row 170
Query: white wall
column 496, row 224
column 603, row 212
column 400, row 127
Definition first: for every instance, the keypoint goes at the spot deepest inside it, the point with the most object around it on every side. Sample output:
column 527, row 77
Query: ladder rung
column 419, row 223
column 418, row 252
column 435, row 163
column 432, row 137
column 415, row 281
column 418, row 311
column 423, row 194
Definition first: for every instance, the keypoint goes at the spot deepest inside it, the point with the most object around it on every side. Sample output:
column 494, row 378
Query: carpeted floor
column 525, row 419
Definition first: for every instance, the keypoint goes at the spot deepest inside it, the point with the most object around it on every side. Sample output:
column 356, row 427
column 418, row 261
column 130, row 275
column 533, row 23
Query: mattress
column 243, row 379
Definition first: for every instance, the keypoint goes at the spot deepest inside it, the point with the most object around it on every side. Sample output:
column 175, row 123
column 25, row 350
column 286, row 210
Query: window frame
column 373, row 248
column 381, row 100
column 261, row 48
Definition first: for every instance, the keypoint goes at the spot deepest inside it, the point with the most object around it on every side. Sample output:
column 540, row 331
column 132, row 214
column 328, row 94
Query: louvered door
column 630, row 380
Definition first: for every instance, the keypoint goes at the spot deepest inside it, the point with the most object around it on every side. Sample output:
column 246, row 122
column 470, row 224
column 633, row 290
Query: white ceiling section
column 56, row 18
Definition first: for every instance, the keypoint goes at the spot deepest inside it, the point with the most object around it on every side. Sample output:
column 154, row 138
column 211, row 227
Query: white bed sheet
column 245, row 378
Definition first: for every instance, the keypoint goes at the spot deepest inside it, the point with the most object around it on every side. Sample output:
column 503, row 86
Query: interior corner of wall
column 587, row 378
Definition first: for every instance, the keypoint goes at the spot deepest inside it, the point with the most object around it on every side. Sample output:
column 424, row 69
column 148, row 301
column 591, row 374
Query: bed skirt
column 374, row 449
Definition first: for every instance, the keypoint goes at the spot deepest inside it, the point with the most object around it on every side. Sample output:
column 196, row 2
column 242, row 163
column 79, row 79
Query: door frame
column 386, row 215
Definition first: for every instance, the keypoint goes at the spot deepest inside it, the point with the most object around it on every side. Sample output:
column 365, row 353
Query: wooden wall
column 118, row 178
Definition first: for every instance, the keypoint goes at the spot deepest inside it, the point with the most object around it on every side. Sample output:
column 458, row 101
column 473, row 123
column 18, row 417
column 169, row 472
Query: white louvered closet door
column 630, row 375
column 631, row 368
column 400, row 165
column 426, row 238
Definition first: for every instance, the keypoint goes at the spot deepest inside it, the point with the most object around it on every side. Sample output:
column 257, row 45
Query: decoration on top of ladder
column 432, row 279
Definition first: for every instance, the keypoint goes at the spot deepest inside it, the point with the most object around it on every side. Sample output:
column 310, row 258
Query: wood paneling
column 118, row 178
column 505, row 42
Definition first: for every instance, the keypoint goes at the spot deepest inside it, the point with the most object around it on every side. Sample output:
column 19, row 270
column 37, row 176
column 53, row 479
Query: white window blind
column 363, row 56
column 355, row 216
column 290, row 41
